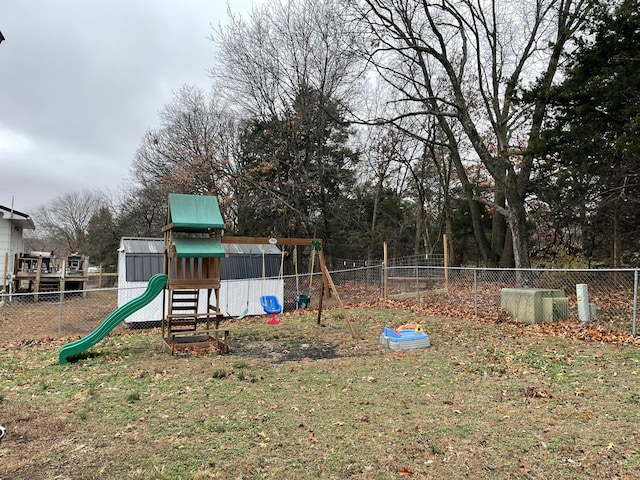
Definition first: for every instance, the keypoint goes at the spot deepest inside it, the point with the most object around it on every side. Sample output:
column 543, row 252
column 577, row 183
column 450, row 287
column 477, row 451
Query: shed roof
column 142, row 246
column 249, row 249
column 193, row 213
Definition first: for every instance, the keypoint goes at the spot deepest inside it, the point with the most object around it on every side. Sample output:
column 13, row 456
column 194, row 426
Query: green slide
column 155, row 286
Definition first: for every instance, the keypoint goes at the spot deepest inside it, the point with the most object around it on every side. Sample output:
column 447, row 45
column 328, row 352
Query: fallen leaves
column 458, row 302
column 581, row 391
column 534, row 392
column 590, row 332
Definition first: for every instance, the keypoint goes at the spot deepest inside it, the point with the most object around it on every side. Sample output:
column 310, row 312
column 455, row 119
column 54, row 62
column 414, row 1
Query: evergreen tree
column 294, row 168
column 593, row 144
column 103, row 239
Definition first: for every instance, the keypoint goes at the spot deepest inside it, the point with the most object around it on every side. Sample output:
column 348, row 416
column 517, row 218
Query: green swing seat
column 303, row 300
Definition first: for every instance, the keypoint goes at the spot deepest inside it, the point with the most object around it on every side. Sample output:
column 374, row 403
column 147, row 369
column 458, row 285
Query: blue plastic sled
column 271, row 304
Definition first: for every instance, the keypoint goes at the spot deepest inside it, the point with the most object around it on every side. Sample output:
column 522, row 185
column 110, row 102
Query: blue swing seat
column 270, row 304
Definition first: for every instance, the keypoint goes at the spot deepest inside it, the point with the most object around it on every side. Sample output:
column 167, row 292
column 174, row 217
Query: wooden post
column 36, row 287
column 335, row 292
column 323, row 267
column 446, row 261
column 385, row 273
column 63, row 275
column 100, row 277
column 320, row 303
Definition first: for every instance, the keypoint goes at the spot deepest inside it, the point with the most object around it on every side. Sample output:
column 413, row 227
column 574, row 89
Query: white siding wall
column 4, row 248
column 149, row 313
column 16, row 242
column 234, row 298
column 11, row 242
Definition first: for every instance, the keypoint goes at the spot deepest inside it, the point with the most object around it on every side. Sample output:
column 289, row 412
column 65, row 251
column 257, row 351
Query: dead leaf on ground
column 533, row 392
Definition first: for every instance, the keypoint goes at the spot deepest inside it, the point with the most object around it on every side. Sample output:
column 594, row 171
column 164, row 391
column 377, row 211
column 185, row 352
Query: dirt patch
column 284, row 351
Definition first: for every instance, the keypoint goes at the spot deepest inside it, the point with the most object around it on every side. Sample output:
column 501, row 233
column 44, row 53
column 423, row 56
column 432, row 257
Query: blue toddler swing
column 270, row 303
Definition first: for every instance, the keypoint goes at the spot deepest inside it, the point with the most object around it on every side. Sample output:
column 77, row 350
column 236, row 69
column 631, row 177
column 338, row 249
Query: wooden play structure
column 192, row 252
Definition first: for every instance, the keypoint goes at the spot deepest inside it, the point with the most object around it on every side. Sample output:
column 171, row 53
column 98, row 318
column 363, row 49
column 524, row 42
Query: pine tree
column 593, row 143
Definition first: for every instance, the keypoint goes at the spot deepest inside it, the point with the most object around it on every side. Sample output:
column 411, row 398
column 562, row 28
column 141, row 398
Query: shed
column 242, row 284
column 12, row 225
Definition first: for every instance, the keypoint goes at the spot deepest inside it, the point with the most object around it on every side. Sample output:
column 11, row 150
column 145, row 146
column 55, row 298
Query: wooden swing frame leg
column 334, row 291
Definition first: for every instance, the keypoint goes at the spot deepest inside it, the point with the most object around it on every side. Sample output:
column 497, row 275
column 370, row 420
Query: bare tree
column 288, row 69
column 65, row 220
column 190, row 152
column 409, row 155
column 466, row 62
column 283, row 47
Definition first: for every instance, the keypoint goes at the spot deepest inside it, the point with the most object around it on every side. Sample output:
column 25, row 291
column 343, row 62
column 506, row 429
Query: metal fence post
column 475, row 290
column 385, row 274
column 60, row 314
column 635, row 302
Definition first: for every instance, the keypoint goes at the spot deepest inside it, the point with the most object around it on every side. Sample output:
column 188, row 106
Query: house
column 241, row 276
column 12, row 225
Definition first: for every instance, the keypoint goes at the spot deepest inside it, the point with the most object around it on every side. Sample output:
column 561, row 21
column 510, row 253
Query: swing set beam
column 302, row 242
column 271, row 240
column 328, row 287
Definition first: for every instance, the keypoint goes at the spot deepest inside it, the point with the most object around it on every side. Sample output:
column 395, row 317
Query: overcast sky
column 81, row 81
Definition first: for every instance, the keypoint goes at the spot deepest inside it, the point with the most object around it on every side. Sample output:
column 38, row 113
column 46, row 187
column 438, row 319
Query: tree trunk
column 517, row 217
column 474, row 207
column 616, row 238
column 499, row 231
column 374, row 217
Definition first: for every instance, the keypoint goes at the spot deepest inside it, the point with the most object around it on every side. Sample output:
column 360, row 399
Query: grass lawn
column 294, row 400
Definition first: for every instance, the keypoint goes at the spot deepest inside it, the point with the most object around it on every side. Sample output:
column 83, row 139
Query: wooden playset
column 192, row 253
column 193, row 249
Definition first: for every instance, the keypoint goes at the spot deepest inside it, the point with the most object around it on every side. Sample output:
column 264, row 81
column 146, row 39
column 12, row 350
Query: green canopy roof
column 199, row 247
column 194, row 213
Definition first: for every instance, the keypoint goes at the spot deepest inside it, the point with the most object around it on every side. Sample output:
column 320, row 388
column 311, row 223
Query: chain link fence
column 613, row 292
column 446, row 291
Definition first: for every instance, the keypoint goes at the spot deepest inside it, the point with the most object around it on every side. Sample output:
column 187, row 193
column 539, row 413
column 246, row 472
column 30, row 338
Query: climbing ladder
column 183, row 311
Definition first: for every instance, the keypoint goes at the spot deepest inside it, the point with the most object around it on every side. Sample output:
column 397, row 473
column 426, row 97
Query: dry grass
column 300, row 401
